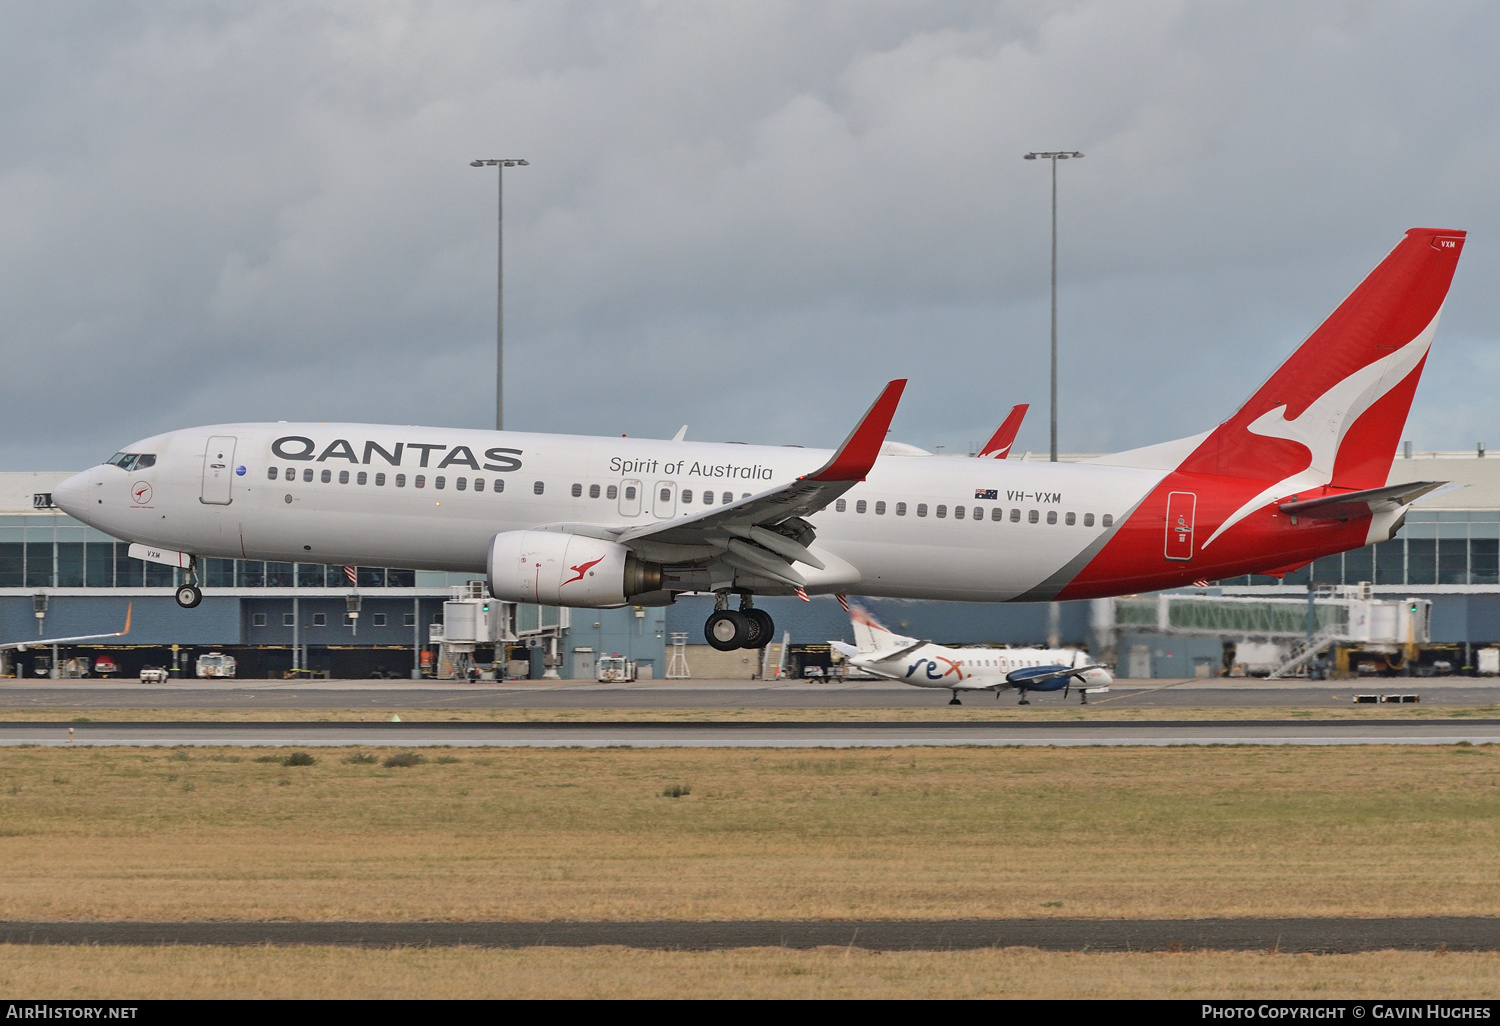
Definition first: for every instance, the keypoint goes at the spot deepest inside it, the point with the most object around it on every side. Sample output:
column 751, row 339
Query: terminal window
column 408, row 619
column 287, row 620
column 378, row 619
column 257, row 619
column 320, row 619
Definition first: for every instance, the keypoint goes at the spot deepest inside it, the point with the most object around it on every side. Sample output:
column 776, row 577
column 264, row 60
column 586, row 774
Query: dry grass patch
column 523, row 834
column 606, row 972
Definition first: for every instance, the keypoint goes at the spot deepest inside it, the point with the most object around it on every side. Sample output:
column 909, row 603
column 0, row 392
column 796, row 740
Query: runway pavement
column 1288, row 935
column 796, row 734
column 700, row 694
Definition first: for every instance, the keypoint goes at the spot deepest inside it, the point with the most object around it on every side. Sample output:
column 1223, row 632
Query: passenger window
column 362, row 478
column 942, row 511
column 327, row 476
column 1031, row 517
column 978, row 512
column 921, row 509
column 291, row 473
column 611, row 492
column 727, row 497
column 1071, row 519
column 687, row 496
column 593, row 491
column 629, row 491
column 460, row 483
column 307, row 474
column 1015, row 516
column 997, row 514
column 1052, row 516
column 343, row 477
column 538, row 488
column 880, row 508
column 379, row 480
column 400, row 480
column 860, row 507
column 708, row 498
column 1107, row 520
column 577, row 491
column 440, row 481
column 744, row 495
column 499, row 485
column 1088, row 520
column 420, row 481
column 666, row 495
column 900, row 509
column 840, row 506
column 479, row 484
column 271, row 473
column 958, row 512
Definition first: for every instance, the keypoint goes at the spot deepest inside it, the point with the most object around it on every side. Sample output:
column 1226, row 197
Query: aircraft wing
column 1361, row 503
column 1042, row 678
column 766, row 533
column 21, row 646
column 998, row 447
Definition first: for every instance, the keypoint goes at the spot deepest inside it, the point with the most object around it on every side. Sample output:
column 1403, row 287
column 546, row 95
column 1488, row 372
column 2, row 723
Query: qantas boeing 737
column 1298, row 472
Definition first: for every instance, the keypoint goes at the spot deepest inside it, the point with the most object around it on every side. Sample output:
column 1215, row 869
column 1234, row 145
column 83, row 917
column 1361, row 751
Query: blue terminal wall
column 622, row 632
column 948, row 623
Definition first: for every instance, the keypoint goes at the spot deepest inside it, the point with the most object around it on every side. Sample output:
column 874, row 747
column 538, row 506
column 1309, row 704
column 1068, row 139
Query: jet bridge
column 1339, row 616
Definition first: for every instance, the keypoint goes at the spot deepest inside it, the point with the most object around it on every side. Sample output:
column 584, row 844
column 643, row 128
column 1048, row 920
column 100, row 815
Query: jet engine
column 556, row 569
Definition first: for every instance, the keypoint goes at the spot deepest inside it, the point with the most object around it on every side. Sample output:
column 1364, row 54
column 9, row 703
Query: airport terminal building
column 60, row 578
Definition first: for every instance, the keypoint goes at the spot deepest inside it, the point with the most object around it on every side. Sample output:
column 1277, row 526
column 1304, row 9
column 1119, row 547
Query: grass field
column 974, row 708
column 115, row 833
column 321, row 972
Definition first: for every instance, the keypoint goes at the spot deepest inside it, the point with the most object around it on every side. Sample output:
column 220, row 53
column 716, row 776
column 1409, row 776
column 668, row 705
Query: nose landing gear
column 954, row 700
column 188, row 593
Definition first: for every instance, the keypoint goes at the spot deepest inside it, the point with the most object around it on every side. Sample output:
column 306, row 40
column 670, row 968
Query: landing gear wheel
column 1024, row 700
column 188, row 596
column 764, row 626
column 954, row 700
column 727, row 630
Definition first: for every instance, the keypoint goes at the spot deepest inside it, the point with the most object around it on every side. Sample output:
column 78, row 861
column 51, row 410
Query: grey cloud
column 745, row 217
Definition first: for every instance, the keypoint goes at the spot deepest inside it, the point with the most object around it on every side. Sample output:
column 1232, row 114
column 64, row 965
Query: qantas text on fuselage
column 1298, row 472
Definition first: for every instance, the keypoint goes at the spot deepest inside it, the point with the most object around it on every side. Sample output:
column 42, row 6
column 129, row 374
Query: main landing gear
column 188, row 593
column 1024, row 700
column 728, row 629
column 954, row 700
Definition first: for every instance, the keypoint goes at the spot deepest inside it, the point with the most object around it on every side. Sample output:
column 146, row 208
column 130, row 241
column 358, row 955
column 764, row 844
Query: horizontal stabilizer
column 1347, row 505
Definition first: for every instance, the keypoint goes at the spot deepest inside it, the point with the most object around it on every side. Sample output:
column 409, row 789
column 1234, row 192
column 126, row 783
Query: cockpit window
column 131, row 461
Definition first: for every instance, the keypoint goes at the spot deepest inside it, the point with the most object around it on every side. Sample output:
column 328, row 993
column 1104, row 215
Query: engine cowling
column 556, row 569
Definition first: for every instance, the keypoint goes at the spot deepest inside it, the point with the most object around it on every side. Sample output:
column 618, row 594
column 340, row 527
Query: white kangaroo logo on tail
column 1322, row 426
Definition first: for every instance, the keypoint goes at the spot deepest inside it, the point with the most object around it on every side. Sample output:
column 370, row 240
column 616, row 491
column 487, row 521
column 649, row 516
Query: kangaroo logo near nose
column 140, row 492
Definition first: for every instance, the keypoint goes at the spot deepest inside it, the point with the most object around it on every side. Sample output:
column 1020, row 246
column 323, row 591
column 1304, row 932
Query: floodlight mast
column 500, row 165
column 1054, row 156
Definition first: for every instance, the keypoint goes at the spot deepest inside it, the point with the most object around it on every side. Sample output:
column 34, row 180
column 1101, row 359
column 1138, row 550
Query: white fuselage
column 407, row 497
column 975, row 669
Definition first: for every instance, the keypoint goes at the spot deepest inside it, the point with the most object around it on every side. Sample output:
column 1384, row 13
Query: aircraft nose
column 71, row 496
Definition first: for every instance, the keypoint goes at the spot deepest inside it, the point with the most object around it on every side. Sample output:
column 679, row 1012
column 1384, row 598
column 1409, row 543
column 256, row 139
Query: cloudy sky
column 740, row 216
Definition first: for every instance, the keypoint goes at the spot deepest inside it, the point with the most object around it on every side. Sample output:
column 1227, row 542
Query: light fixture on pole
column 500, row 166
column 1054, row 156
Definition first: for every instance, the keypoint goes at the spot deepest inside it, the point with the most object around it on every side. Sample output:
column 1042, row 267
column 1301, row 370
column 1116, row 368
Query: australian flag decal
column 986, row 493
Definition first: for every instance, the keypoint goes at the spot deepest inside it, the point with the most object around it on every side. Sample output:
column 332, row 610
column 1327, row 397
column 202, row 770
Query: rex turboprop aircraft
column 924, row 665
column 1298, row 472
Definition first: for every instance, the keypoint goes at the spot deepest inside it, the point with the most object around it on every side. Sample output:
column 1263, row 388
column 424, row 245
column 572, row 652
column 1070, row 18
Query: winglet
column 998, row 447
column 129, row 606
column 857, row 455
